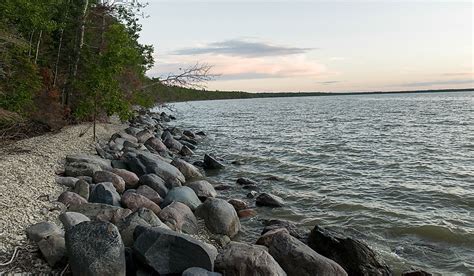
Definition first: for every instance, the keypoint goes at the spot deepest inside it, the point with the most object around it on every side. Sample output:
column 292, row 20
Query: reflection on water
column 394, row 170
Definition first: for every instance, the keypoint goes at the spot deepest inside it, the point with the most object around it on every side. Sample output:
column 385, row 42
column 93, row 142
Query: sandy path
column 28, row 190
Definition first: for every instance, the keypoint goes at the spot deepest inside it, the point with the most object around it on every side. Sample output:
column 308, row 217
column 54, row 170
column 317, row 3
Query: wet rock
column 295, row 257
column 244, row 259
column 211, row 162
column 104, row 193
column 416, row 272
column 179, row 217
column 272, row 178
column 237, row 163
column 245, row 181
column 134, row 201
column 292, row 228
column 186, row 151
column 189, row 133
column 53, row 249
column 184, row 195
column 70, row 219
column 143, row 217
column 130, row 178
column 222, row 187
column 104, row 164
column 247, row 213
column 172, row 144
column 81, row 168
column 156, row 144
column 198, row 164
column 202, row 188
column 220, row 217
column 188, row 170
column 70, row 198
column 149, row 193
column 67, row 181
column 155, row 182
column 353, row 255
column 41, row 230
column 95, row 248
column 270, row 200
column 252, row 194
column 168, row 252
column 250, row 187
column 238, row 204
column 102, row 212
column 82, row 188
column 105, row 176
column 201, row 133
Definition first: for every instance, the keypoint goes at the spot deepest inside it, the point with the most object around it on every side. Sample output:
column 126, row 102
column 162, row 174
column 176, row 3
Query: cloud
column 242, row 48
column 443, row 82
column 329, row 82
column 458, row 74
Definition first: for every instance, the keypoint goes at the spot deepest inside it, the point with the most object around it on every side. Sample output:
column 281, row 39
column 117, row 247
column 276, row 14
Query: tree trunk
column 31, row 41
column 57, row 58
column 38, row 45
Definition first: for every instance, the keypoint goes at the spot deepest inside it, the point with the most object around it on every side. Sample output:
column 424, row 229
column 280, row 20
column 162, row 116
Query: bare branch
column 195, row 76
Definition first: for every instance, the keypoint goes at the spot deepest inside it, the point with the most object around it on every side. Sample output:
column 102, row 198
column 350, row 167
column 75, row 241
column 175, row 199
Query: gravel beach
column 28, row 190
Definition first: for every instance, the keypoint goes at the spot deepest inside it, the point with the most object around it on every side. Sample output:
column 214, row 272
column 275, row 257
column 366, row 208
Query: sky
column 309, row 46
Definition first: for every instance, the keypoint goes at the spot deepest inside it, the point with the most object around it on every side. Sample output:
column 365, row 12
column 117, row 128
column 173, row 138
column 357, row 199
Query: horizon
column 309, row 46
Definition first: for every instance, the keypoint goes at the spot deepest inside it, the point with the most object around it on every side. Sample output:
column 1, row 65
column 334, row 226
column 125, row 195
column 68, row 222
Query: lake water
column 396, row 171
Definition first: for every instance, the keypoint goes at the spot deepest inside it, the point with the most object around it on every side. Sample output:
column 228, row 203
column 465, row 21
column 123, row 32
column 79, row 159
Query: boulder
column 416, row 272
column 95, row 248
column 197, row 271
column 184, row 195
column 179, row 217
column 41, row 230
column 189, row 133
column 143, row 217
column 211, row 162
column 104, row 164
column 295, row 257
column 70, row 219
column 70, row 198
column 246, row 213
column 67, row 181
column 156, row 144
column 245, row 181
column 353, row 255
column 201, row 133
column 127, row 136
column 134, row 201
column 188, row 170
column 82, row 188
column 144, row 135
column 53, row 249
column 133, row 131
column 168, row 252
column 172, row 144
column 270, row 200
column 102, row 212
column 252, row 194
column 120, row 164
column 220, row 217
column 202, row 188
column 130, row 178
column 105, row 176
column 250, row 187
column 244, row 259
column 155, row 182
column 222, row 187
column 292, row 228
column 186, row 151
column 81, row 168
column 238, row 204
column 149, row 193
column 87, row 179
column 155, row 164
column 105, row 193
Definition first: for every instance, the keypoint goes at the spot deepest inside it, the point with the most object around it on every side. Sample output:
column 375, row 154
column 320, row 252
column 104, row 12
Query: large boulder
column 71, row 198
column 220, row 217
column 81, row 168
column 353, row 255
column 95, row 248
column 189, row 171
column 295, row 257
column 155, row 182
column 245, row 181
column 41, row 230
column 134, row 201
column 130, row 178
column 179, row 217
column 105, row 176
column 237, row 259
column 70, row 219
column 53, row 249
column 156, row 144
column 155, row 164
column 202, row 188
column 104, row 164
column 270, row 200
column 172, row 144
column 143, row 217
column 105, row 193
column 292, row 228
column 184, row 195
column 210, row 162
column 102, row 212
column 168, row 252
column 149, row 193
column 144, row 135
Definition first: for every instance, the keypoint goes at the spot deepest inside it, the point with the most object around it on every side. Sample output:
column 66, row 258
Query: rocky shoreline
column 142, row 207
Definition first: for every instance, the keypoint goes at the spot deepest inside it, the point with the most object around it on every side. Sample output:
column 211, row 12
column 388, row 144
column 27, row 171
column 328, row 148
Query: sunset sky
column 270, row 46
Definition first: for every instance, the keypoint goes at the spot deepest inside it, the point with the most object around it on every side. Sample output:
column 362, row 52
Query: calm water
column 394, row 170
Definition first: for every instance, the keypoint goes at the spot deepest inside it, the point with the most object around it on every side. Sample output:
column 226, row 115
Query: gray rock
column 156, row 144
column 184, row 195
column 143, row 217
column 155, row 182
column 220, row 217
column 416, row 272
column 295, row 257
column 292, row 228
column 130, row 178
column 189, row 133
column 202, row 188
column 245, row 181
column 81, row 168
column 186, row 151
column 133, row 131
column 252, row 194
column 172, row 144
column 144, row 135
column 222, row 187
column 128, row 144
column 211, row 162
column 82, row 188
column 67, row 181
column 95, row 248
column 197, row 271
column 105, row 164
column 102, row 212
column 70, row 219
column 238, row 204
column 188, row 170
column 270, row 200
column 128, row 136
column 353, row 255
column 149, row 193
column 106, row 176
column 168, row 252
column 179, row 217
column 201, row 133
column 41, row 230
column 87, row 179
column 119, row 164
column 105, row 193
column 70, row 198
column 53, row 249
column 155, row 164
column 134, row 201
column 244, row 259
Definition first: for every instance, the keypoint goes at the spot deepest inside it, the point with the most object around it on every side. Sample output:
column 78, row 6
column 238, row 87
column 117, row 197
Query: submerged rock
column 245, row 181
column 211, row 162
column 265, row 199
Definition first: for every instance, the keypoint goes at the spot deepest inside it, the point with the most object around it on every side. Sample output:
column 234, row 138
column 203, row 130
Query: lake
column 396, row 171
